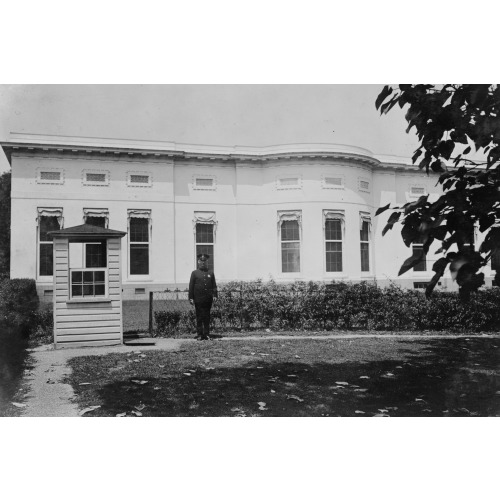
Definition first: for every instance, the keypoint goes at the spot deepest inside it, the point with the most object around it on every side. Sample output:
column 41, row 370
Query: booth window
column 95, row 252
column 289, row 229
column 88, row 284
column 48, row 220
column 333, row 224
column 364, row 238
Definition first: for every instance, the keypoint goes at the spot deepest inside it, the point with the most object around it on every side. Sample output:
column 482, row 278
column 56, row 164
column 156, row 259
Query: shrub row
column 338, row 306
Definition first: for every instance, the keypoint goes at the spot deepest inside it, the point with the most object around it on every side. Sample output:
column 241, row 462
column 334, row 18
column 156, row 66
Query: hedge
column 19, row 304
column 338, row 306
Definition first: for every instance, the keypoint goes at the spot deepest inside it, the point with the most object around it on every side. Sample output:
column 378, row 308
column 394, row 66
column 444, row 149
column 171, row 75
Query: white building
column 292, row 212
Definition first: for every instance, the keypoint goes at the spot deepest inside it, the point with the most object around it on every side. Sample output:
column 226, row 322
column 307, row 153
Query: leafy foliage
column 5, row 182
column 337, row 306
column 18, row 304
column 450, row 121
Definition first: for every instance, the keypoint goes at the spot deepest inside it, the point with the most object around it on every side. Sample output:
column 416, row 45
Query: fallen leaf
column 260, row 367
column 292, row 396
column 342, row 383
column 262, row 406
column 136, row 413
column 140, row 407
column 161, row 366
column 382, row 411
column 381, row 415
column 156, row 388
column 418, row 399
column 359, row 411
column 292, row 376
column 137, row 352
column 360, row 390
column 121, row 414
column 267, row 330
column 142, row 355
column 364, row 376
column 187, row 374
column 236, row 409
column 86, row 410
column 85, row 383
column 139, row 382
column 192, row 371
column 399, row 367
column 137, row 360
column 252, row 353
column 297, row 357
column 273, row 391
column 19, row 405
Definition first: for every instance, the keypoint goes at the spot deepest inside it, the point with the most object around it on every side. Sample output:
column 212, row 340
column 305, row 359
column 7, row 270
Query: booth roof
column 88, row 230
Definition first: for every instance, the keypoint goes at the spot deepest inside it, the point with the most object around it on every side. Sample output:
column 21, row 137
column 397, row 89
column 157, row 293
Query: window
column 205, row 242
column 205, row 227
column 96, row 178
column 417, row 191
column 139, row 240
column 50, row 175
column 333, row 226
column 88, row 283
column 95, row 252
column 364, row 238
column 418, row 250
column 288, row 182
column 330, row 182
column 205, row 182
column 49, row 219
column 289, row 224
column 139, row 179
column 364, row 185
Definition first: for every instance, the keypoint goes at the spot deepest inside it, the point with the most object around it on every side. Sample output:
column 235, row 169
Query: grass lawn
column 296, row 377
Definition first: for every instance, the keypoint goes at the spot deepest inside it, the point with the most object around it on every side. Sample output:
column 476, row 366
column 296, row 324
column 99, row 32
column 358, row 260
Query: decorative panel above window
column 139, row 179
column 205, row 182
column 205, row 218
column 332, row 181
column 95, row 177
column 289, row 182
column 364, row 185
column 50, row 175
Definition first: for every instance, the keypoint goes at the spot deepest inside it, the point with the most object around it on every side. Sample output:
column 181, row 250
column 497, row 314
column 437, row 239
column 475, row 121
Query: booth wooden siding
column 87, row 323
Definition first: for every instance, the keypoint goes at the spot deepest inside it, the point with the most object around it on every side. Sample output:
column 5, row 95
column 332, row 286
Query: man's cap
column 203, row 256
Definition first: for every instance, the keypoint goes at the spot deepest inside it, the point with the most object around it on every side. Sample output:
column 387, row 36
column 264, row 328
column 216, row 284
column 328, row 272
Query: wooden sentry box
column 87, row 298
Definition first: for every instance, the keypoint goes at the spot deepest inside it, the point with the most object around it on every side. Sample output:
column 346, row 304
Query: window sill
column 86, row 301
column 140, row 278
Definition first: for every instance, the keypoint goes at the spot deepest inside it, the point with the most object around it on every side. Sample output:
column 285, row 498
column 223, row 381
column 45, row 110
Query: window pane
column 290, row 230
column 88, row 277
column 363, row 234
column 209, row 250
column 290, row 257
column 48, row 224
column 333, row 230
column 139, row 229
column 88, row 290
column 76, row 277
column 96, row 221
column 46, row 259
column 365, row 257
column 99, row 276
column 421, row 266
column 334, row 257
column 139, row 259
column 95, row 254
column 99, row 289
column 204, row 233
column 76, row 291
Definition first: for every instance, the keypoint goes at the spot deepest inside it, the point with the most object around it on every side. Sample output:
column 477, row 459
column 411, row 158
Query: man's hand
column 191, row 301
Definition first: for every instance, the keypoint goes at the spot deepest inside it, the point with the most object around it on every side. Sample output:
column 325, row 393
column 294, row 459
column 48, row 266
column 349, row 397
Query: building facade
column 294, row 212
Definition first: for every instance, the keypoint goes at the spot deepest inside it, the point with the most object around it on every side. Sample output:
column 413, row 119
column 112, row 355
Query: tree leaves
column 392, row 220
column 410, row 262
column 386, row 92
column 382, row 209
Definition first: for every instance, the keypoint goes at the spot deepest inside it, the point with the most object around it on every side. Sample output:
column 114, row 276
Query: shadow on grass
column 442, row 378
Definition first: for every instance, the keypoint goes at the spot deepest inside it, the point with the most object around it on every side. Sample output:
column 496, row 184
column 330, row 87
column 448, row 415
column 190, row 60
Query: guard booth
column 87, row 286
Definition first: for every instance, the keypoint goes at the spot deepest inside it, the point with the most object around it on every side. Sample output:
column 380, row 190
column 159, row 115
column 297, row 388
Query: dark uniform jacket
column 202, row 286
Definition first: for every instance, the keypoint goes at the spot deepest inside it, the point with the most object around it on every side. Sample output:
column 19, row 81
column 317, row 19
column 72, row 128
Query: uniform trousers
column 203, row 318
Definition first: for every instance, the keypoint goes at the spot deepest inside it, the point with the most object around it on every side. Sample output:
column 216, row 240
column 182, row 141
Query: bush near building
column 338, row 306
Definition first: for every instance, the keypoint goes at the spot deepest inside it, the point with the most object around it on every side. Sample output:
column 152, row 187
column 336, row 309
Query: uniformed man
column 202, row 292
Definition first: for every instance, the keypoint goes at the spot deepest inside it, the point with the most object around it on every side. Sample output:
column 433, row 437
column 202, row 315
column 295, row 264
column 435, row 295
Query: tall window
column 417, row 249
column 139, row 240
column 95, row 252
column 48, row 220
column 205, row 242
column 289, row 228
column 332, row 221
column 364, row 238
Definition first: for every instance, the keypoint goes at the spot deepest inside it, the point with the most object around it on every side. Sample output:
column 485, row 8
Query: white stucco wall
column 246, row 201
